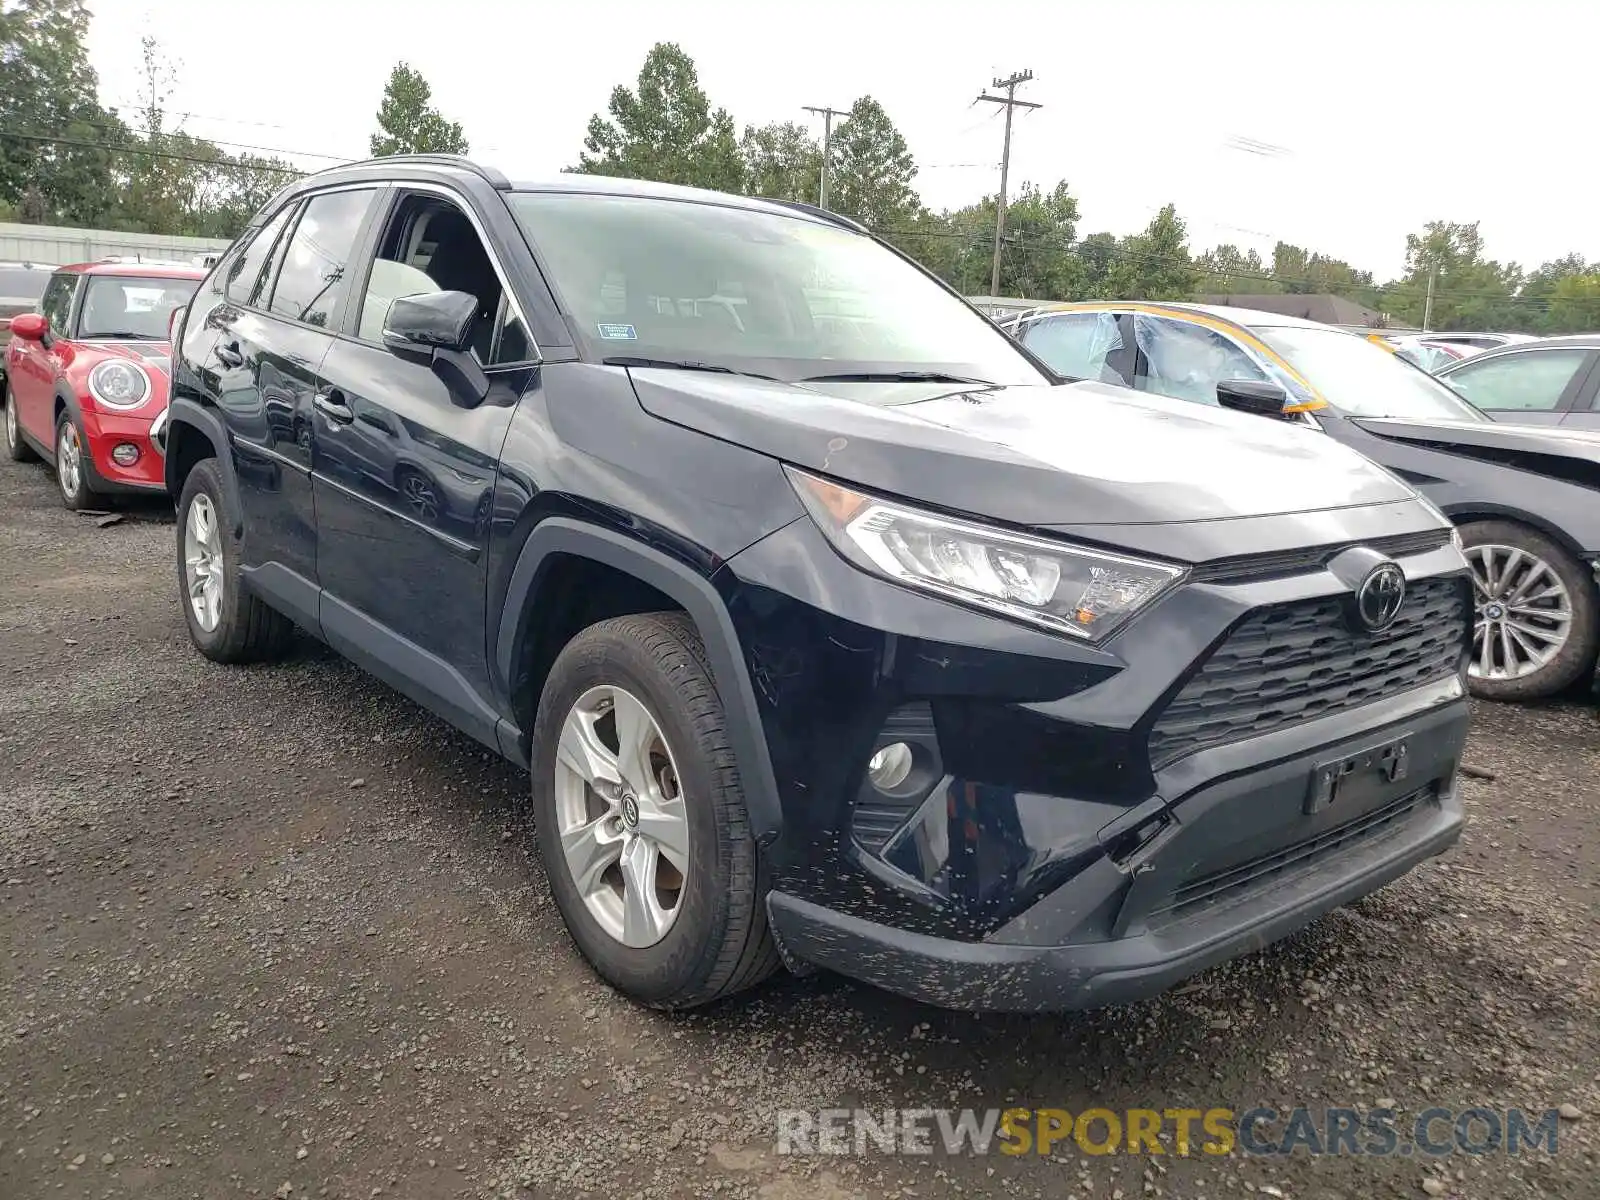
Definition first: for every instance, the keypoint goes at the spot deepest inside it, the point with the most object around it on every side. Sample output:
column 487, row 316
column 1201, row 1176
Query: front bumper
column 104, row 432
column 1079, row 799
column 1241, row 868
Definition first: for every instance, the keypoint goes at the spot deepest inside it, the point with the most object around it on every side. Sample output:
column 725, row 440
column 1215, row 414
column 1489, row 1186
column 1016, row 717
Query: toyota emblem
column 1379, row 598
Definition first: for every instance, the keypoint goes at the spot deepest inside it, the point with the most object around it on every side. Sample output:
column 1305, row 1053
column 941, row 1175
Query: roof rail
column 814, row 210
column 489, row 175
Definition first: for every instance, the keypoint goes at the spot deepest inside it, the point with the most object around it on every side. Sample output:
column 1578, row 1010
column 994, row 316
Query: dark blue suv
column 834, row 629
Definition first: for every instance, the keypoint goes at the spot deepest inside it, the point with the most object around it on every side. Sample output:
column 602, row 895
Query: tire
column 73, row 465
column 717, row 942
column 17, row 450
column 1569, row 667
column 246, row 629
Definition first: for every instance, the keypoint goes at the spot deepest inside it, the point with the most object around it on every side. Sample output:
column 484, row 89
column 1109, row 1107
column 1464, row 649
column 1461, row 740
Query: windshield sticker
column 618, row 333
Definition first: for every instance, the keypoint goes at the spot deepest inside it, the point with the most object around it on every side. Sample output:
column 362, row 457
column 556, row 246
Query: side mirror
column 436, row 328
column 31, row 327
column 432, row 320
column 1252, row 396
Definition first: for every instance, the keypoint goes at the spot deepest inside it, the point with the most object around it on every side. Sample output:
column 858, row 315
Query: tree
column 782, row 161
column 1155, row 264
column 871, row 169
column 1037, row 259
column 1226, row 269
column 56, row 133
column 666, row 130
column 1300, row 271
column 1097, row 253
column 408, row 123
column 1536, row 300
column 1469, row 291
column 1574, row 304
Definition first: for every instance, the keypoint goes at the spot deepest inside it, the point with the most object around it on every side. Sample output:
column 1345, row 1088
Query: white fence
column 57, row 245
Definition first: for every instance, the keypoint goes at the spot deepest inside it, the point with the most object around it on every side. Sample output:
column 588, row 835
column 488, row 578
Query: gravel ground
column 277, row 932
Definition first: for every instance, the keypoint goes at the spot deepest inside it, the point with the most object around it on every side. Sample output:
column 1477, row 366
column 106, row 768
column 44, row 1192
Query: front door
column 33, row 380
column 1533, row 386
column 403, row 470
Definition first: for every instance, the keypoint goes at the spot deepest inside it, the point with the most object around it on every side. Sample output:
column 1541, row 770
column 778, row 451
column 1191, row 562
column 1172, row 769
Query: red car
column 86, row 376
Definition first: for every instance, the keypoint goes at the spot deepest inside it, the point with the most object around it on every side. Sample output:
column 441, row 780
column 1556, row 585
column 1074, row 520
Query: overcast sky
column 1145, row 101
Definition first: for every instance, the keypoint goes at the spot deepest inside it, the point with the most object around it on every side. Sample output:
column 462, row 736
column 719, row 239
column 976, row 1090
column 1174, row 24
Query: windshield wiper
column 677, row 364
column 897, row 377
column 124, row 335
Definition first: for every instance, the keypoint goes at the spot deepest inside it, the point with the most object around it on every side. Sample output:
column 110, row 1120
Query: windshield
column 129, row 306
column 790, row 297
column 1363, row 380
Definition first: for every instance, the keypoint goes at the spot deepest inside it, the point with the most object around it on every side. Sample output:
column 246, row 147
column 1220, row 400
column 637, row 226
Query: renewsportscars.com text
column 1382, row 1132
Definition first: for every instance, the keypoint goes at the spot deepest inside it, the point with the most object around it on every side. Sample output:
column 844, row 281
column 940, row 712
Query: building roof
column 1323, row 308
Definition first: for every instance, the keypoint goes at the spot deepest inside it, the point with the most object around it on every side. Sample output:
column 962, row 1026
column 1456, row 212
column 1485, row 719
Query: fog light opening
column 890, row 766
column 125, row 454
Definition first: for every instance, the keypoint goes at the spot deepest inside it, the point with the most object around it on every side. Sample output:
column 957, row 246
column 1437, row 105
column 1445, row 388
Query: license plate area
column 1353, row 781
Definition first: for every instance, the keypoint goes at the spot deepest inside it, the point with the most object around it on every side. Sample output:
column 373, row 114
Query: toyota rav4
column 833, row 629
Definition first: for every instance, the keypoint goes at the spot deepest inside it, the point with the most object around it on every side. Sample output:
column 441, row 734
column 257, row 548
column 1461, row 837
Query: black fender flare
column 698, row 597
column 68, row 399
column 183, row 411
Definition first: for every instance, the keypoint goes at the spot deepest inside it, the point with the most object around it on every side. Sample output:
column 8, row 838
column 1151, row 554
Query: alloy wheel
column 419, row 494
column 11, row 423
column 623, row 823
column 1524, row 612
column 202, row 562
column 69, row 459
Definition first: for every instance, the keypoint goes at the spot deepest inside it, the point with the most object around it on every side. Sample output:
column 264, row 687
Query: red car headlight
column 116, row 383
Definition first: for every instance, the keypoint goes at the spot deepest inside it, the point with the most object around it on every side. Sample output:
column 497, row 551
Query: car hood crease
column 1082, row 453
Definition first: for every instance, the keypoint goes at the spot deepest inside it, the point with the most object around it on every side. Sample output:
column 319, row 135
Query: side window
column 314, row 277
column 430, row 245
column 1082, row 345
column 1527, row 380
column 56, row 303
column 1187, row 361
column 242, row 280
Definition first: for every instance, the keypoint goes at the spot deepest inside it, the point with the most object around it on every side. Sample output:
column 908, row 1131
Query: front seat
column 460, row 264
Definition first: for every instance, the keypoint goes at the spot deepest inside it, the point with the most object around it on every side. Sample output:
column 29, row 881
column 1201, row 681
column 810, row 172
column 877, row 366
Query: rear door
column 286, row 293
column 1533, row 386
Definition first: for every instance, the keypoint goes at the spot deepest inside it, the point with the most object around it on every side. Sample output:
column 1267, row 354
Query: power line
column 1010, row 83
column 146, row 152
column 827, row 114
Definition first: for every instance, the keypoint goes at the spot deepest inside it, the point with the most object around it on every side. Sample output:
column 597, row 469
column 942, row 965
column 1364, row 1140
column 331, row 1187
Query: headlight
column 119, row 384
column 1087, row 593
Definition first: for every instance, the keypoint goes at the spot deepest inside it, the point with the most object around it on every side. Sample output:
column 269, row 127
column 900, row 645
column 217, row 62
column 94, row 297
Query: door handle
column 229, row 354
column 331, row 405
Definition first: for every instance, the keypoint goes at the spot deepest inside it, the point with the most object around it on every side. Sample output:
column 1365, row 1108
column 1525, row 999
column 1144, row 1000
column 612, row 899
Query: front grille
column 1288, row 663
column 1253, row 567
column 1232, row 881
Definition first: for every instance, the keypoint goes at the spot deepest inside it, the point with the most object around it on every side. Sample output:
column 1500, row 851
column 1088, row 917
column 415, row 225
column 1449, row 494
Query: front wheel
column 72, row 465
column 16, row 449
column 1537, row 626
column 641, row 819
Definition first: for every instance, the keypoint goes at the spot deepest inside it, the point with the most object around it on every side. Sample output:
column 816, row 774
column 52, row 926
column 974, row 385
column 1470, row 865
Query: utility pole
column 827, row 114
column 1427, row 305
column 1011, row 102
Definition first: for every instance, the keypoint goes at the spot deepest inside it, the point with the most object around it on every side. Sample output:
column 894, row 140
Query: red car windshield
column 131, row 306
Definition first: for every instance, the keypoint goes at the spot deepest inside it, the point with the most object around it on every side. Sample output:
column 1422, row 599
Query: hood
column 1496, row 440
column 152, row 356
column 1081, row 453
